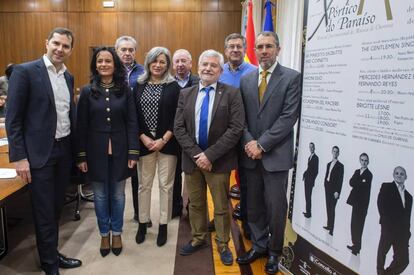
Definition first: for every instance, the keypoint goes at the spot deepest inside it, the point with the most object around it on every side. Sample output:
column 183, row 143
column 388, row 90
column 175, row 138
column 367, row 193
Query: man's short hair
column 125, row 38
column 62, row 31
column 235, row 36
column 212, row 53
column 271, row 34
column 335, row 147
column 183, row 51
column 364, row 155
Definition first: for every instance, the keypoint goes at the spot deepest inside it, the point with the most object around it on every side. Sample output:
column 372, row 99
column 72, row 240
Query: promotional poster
column 355, row 169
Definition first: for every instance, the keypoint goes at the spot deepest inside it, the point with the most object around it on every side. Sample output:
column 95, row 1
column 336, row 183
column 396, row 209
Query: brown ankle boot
column 105, row 246
column 116, row 244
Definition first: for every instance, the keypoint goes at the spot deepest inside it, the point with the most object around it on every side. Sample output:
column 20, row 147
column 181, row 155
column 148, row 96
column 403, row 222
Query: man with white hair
column 182, row 64
column 208, row 125
column 126, row 48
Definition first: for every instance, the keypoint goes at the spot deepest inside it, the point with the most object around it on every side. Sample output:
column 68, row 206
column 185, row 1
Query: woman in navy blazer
column 156, row 98
column 107, row 138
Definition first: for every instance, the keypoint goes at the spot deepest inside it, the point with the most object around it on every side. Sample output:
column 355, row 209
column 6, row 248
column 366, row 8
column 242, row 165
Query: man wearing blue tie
column 208, row 125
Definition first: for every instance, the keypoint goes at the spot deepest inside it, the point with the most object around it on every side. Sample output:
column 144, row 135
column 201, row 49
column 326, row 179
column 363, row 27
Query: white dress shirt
column 62, row 98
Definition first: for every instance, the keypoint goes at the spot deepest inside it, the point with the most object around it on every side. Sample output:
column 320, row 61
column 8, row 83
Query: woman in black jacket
column 156, row 98
column 107, row 134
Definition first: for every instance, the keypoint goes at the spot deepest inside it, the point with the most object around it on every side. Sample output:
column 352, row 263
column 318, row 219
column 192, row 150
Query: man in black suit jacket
column 40, row 131
column 394, row 206
column 182, row 64
column 359, row 200
column 309, row 177
column 333, row 184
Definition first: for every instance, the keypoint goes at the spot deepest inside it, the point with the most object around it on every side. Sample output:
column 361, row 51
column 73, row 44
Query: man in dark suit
column 126, row 48
column 394, row 206
column 40, row 132
column 182, row 64
column 271, row 96
column 334, row 177
column 208, row 125
column 359, row 200
column 309, row 177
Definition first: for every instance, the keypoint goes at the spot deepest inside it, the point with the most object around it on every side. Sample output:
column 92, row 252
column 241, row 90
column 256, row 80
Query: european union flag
column 268, row 24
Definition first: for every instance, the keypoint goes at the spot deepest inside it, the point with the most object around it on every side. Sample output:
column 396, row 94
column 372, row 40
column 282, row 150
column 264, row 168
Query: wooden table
column 9, row 188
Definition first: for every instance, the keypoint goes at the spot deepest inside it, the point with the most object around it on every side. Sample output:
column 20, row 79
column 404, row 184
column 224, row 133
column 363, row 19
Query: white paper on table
column 3, row 141
column 7, row 173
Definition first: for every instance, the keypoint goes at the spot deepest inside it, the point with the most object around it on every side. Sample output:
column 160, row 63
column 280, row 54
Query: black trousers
column 177, row 204
column 266, row 208
column 308, row 195
column 330, row 208
column 47, row 191
column 359, row 213
column 400, row 258
column 134, row 185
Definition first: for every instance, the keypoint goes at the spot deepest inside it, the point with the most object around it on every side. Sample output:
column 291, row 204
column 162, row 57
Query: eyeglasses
column 232, row 47
column 265, row 46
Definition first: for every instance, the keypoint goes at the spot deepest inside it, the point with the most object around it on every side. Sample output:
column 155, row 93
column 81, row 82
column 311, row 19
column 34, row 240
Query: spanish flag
column 250, row 56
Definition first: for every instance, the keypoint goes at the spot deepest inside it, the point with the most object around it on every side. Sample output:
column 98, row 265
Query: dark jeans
column 47, row 191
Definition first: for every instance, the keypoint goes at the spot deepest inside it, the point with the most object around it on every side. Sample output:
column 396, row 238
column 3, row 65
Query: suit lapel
column 46, row 81
column 192, row 101
column 397, row 194
column 253, row 88
column 274, row 80
column 217, row 98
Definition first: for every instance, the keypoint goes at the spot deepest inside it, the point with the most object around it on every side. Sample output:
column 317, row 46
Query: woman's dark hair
column 119, row 76
column 9, row 70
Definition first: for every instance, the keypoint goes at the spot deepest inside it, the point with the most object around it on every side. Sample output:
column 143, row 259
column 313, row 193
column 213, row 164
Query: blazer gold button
column 107, row 90
column 108, row 119
column 107, row 99
column 108, row 109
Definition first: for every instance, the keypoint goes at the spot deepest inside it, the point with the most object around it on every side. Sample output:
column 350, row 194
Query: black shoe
column 249, row 257
column 350, row 247
column 189, row 249
column 331, row 232
column 149, row 224
column 65, row 262
column 116, row 244
column 235, row 192
column 237, row 214
column 271, row 266
column 327, row 228
column 105, row 246
column 211, row 227
column 355, row 252
column 162, row 235
column 307, row 215
column 142, row 230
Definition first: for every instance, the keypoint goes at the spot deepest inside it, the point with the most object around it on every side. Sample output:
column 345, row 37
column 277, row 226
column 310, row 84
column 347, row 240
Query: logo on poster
column 351, row 15
column 322, row 265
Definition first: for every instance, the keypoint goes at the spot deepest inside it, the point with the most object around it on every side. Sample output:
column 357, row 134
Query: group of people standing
column 232, row 115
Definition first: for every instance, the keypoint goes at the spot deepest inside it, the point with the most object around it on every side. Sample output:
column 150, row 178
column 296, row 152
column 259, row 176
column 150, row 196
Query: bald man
column 394, row 206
